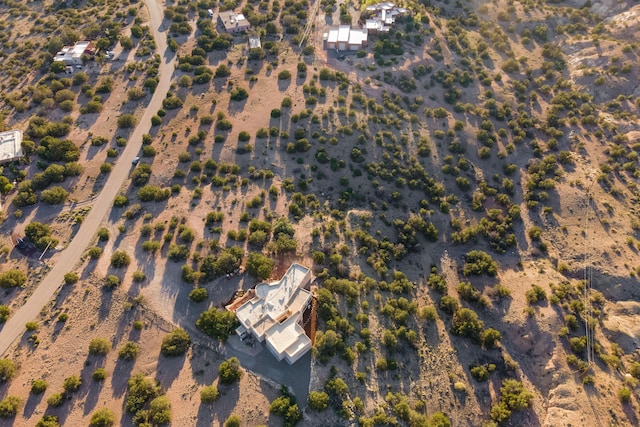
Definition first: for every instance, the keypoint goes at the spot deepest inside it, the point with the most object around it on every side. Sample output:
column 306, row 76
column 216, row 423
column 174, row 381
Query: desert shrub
column 38, row 386
column 171, row 102
column 153, row 193
column 513, row 397
column 56, row 399
column 126, row 121
column 198, row 295
column 111, row 281
column 120, row 259
column 99, row 346
column 286, row 407
column 217, row 323
column 106, row 168
column 239, row 94
column 99, row 374
column 233, row 421
column 120, row 201
column 175, row 343
column 479, row 262
column 624, row 394
column 9, row 406
column 94, row 252
column 489, row 337
column 103, row 417
column 536, row 294
column 5, row 312
column 466, row 323
column 71, row 384
column 141, row 392
column 259, row 266
column 209, row 394
column 31, row 326
column 129, row 351
column 7, row 370
column 229, row 371
column 318, row 400
column 284, row 75
column 40, row 235
column 12, row 279
column 54, row 195
column 139, row 276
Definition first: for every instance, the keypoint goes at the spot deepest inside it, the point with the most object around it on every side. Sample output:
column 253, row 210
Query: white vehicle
column 210, row 13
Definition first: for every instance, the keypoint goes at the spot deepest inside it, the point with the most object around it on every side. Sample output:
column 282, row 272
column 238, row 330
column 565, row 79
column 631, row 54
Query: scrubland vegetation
column 445, row 184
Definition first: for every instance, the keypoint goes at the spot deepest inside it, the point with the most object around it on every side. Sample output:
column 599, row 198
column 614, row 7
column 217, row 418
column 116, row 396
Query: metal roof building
column 10, row 145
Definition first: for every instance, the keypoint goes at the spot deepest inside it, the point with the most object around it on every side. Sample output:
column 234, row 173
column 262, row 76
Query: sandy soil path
column 69, row 258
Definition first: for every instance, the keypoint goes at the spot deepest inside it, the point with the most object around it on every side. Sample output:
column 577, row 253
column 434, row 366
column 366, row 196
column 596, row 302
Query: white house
column 72, row 55
column 273, row 313
column 345, row 38
column 233, row 22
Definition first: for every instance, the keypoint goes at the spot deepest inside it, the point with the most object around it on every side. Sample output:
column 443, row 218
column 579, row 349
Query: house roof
column 10, row 145
column 288, row 337
column 254, row 42
column 232, row 20
column 274, row 299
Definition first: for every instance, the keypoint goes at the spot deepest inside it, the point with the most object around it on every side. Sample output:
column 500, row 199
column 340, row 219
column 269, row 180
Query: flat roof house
column 273, row 313
column 233, row 22
column 345, row 38
column 72, row 55
column 10, row 145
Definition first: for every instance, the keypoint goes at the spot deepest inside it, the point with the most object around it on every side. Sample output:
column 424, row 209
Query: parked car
column 135, row 161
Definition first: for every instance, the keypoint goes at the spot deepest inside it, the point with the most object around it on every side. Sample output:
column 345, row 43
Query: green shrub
column 229, row 371
column 55, row 400
column 120, row 259
column 12, row 279
column 103, row 417
column 175, row 343
column 71, row 384
column 99, row 374
column 7, row 370
column 198, row 295
column 209, row 394
column 5, row 312
column 38, row 386
column 9, row 406
column 126, row 121
column 129, row 351
column 318, row 400
column 99, row 346
column 71, row 277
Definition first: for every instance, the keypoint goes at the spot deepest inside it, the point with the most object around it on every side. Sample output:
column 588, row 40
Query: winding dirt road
column 69, row 258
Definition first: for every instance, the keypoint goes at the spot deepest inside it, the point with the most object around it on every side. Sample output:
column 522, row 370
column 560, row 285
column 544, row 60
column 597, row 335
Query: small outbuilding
column 10, row 146
column 254, row 42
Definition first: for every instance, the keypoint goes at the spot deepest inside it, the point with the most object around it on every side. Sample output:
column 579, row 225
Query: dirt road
column 69, row 258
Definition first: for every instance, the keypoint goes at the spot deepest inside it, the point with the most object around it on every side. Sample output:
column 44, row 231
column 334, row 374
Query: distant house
column 10, row 145
column 233, row 22
column 254, row 42
column 383, row 16
column 72, row 55
column 273, row 313
column 345, row 38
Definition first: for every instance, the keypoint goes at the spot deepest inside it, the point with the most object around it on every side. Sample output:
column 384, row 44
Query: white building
column 345, row 38
column 72, row 55
column 273, row 313
column 385, row 14
column 10, row 145
column 233, row 22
